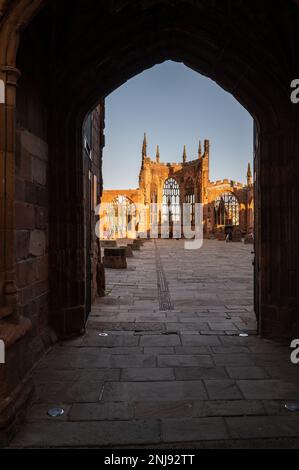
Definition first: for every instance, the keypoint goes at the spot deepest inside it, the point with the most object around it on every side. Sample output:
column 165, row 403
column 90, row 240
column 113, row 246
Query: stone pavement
column 178, row 377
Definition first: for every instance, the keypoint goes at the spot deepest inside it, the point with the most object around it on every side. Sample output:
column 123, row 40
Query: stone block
column 108, row 243
column 42, row 268
column 115, row 258
column 101, row 412
column 41, row 288
column 22, row 244
column 194, row 430
column 223, row 390
column 41, row 218
column 24, row 165
column 200, row 373
column 30, row 193
column 134, row 246
column 160, row 341
column 66, row 392
column 149, row 374
column 34, row 145
column 24, row 216
column 26, row 272
column 263, row 427
column 234, row 360
column 269, row 389
column 229, row 408
column 200, row 340
column 247, row 373
column 159, row 410
column 151, row 391
column 129, row 252
column 20, row 190
column 42, row 196
column 185, row 361
column 38, row 243
column 94, row 434
column 39, row 171
column 135, row 361
column 26, row 295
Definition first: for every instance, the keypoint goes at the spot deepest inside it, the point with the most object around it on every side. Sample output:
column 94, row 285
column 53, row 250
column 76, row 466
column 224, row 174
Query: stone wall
column 31, row 230
column 103, row 44
column 194, row 174
column 98, row 143
column 28, row 331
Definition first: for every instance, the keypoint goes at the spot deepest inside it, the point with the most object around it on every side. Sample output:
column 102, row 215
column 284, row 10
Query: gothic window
column 227, row 210
column 122, row 217
column 171, row 201
column 190, row 199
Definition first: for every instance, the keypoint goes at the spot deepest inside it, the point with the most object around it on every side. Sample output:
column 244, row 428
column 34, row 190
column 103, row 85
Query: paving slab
column 195, row 429
column 223, row 390
column 169, row 377
column 146, row 375
column 88, row 434
column 149, row 391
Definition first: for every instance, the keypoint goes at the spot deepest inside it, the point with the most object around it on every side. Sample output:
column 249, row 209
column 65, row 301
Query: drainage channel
column 165, row 302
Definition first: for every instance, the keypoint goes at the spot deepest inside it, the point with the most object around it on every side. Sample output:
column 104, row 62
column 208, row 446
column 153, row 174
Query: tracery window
column 227, row 210
column 190, row 199
column 122, row 217
column 171, row 201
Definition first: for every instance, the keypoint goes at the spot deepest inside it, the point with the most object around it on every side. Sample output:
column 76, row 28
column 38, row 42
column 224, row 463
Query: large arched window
column 190, row 198
column 227, row 210
column 171, row 201
column 122, row 217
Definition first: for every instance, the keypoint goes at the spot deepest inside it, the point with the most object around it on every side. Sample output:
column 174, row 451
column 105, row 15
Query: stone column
column 12, row 394
column 277, row 239
column 8, row 291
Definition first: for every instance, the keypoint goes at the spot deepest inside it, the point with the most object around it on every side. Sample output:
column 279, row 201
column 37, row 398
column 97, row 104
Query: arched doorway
column 238, row 55
column 73, row 99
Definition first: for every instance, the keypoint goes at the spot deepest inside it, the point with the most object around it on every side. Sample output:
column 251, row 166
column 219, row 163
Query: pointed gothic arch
column 122, row 217
column 171, row 201
column 236, row 44
column 227, row 210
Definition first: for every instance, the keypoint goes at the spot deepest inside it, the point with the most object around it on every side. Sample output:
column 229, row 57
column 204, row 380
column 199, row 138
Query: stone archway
column 234, row 44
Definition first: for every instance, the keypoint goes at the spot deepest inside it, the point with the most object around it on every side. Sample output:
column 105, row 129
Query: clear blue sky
column 175, row 106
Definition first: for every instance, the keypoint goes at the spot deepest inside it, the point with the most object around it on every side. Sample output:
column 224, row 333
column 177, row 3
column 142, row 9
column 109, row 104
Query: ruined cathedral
column 226, row 204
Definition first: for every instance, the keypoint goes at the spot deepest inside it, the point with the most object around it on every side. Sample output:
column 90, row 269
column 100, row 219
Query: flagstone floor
column 181, row 377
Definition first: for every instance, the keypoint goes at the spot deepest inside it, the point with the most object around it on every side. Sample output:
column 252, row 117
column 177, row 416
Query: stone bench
column 135, row 246
column 129, row 251
column 138, row 241
column 115, row 258
column 108, row 243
